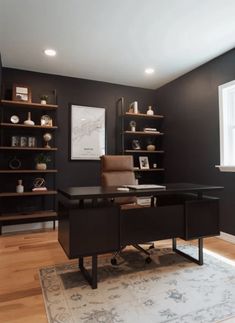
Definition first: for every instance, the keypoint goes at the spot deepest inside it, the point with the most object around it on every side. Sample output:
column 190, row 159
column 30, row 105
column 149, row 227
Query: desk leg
column 90, row 278
column 198, row 261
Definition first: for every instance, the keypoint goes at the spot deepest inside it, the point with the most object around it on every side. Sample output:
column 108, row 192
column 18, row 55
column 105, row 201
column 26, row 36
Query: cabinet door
column 202, row 218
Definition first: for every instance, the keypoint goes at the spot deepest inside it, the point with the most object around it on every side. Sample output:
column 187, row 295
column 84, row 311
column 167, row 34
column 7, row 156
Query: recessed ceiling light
column 50, row 52
column 149, row 70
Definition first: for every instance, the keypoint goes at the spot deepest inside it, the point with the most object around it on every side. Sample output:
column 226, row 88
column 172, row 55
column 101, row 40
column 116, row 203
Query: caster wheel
column 114, row 261
column 148, row 260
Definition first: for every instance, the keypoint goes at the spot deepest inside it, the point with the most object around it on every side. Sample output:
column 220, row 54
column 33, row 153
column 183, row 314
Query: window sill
column 226, row 168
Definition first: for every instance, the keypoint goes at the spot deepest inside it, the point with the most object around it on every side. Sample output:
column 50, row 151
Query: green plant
column 44, row 97
column 42, row 159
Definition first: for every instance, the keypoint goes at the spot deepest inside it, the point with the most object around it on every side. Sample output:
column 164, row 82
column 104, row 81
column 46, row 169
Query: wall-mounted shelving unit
column 29, row 206
column 155, row 172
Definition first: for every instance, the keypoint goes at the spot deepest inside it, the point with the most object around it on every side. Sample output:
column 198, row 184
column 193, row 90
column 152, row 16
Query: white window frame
column 222, row 92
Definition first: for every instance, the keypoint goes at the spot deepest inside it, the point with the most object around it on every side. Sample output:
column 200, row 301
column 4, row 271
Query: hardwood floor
column 22, row 254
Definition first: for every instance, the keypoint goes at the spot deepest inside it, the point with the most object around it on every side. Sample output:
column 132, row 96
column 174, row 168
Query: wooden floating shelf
column 150, row 170
column 138, row 151
column 27, row 148
column 144, row 133
column 25, row 171
column 28, row 215
column 15, row 104
column 11, row 194
column 142, row 115
column 11, row 125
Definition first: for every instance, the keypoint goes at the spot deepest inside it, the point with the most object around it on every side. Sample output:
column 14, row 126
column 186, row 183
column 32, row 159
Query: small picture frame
column 21, row 93
column 144, row 162
column 46, row 121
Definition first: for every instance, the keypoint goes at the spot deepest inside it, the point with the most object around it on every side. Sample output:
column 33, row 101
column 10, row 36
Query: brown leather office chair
column 117, row 170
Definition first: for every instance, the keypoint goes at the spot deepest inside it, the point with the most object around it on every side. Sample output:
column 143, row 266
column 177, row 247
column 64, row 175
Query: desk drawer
column 202, row 218
column 83, row 232
column 149, row 224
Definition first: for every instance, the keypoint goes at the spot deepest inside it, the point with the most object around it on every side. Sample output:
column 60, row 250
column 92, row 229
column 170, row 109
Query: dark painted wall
column 0, row 74
column 190, row 104
column 83, row 92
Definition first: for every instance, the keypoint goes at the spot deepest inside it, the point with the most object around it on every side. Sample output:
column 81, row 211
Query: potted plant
column 44, row 99
column 41, row 161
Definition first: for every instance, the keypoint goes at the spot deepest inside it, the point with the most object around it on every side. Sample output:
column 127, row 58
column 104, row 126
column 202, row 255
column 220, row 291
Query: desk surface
column 92, row 192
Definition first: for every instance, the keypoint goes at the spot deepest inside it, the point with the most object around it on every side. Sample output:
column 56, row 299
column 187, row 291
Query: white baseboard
column 227, row 237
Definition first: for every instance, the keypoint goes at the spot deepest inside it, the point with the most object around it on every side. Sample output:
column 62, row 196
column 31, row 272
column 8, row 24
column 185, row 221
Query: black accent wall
column 81, row 92
column 191, row 106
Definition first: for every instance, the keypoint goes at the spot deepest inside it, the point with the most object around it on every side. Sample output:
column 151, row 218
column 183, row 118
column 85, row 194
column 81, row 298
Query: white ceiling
column 115, row 40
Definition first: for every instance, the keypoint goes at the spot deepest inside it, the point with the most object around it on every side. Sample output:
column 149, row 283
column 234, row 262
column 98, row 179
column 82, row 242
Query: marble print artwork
column 170, row 289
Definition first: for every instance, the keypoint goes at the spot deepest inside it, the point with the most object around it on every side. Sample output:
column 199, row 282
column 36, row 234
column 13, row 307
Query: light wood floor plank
column 22, row 254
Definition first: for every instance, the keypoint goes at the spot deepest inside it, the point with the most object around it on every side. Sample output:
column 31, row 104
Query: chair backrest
column 118, row 170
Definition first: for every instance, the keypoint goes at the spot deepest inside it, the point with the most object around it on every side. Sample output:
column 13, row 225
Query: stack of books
column 150, row 130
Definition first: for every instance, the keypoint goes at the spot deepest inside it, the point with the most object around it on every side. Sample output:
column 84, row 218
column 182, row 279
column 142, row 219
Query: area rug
column 170, row 289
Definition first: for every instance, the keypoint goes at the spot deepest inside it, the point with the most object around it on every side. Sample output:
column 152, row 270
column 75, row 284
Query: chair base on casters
column 138, row 247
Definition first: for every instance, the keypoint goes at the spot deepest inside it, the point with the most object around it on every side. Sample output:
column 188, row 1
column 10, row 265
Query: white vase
column 150, row 111
column 43, row 102
column 41, row 166
column 29, row 122
column 20, row 187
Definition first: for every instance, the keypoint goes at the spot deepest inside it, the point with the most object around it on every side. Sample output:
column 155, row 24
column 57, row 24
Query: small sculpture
column 39, row 184
column 47, row 137
column 133, row 125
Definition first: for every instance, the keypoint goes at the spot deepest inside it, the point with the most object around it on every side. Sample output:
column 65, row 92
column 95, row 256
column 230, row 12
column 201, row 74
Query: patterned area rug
column 170, row 289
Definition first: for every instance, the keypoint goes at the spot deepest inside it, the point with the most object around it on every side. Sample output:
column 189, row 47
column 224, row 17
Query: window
column 227, row 126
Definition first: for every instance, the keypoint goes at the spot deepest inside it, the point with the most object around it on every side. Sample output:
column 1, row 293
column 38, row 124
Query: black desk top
column 92, row 192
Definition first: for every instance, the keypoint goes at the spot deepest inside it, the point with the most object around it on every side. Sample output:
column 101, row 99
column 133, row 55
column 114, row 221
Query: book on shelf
column 36, row 189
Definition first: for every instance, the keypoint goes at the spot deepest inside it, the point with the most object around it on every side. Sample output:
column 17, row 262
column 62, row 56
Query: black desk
column 89, row 224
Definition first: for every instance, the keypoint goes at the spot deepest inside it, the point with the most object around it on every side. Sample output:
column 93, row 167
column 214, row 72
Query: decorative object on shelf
column 14, row 163
column 154, row 165
column 150, row 145
column 133, row 125
column 29, row 122
column 87, row 133
column 21, row 93
column 20, row 187
column 15, row 141
column 144, row 162
column 23, row 141
column 44, row 99
column 14, row 119
column 39, row 184
column 47, row 137
column 134, row 107
column 147, row 129
column 41, row 161
column 46, row 120
column 150, row 111
column 32, row 142
column 136, row 144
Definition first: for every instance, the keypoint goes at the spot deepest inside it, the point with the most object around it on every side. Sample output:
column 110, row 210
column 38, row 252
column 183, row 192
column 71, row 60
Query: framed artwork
column 87, row 132
column 144, row 162
column 21, row 93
